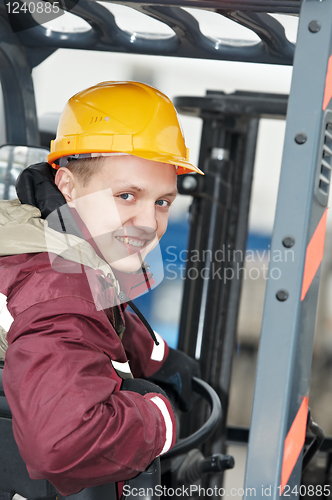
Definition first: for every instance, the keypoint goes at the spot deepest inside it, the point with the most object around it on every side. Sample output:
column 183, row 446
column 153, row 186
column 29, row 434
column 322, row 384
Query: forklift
column 279, row 452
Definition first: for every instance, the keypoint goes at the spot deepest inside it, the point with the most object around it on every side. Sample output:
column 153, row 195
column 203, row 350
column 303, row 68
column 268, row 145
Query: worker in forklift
column 81, row 229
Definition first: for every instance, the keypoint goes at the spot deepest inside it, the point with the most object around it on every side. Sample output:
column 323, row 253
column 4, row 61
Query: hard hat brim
column 184, row 166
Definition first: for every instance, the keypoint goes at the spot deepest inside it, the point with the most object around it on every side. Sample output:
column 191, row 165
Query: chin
column 130, row 264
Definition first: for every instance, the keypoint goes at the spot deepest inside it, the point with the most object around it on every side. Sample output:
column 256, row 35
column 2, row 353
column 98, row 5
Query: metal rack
column 24, row 43
column 187, row 41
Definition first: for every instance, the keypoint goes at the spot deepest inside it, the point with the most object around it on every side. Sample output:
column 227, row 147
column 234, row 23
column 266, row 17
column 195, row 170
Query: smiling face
column 125, row 206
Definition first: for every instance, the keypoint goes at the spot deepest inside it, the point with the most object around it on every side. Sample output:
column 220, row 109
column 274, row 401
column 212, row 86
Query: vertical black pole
column 8, row 175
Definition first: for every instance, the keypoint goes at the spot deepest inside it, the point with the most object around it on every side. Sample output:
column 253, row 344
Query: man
column 73, row 256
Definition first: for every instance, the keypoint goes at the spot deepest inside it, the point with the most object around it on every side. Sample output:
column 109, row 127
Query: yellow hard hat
column 122, row 117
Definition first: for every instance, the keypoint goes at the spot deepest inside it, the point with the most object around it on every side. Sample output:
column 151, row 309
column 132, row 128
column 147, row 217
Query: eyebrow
column 173, row 193
column 124, row 185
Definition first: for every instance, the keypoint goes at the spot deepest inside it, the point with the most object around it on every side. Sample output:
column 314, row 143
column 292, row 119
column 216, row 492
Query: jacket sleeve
column 72, row 424
column 145, row 357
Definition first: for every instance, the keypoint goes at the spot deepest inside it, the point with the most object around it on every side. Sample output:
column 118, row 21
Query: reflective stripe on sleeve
column 168, row 423
column 6, row 318
column 158, row 351
column 122, row 367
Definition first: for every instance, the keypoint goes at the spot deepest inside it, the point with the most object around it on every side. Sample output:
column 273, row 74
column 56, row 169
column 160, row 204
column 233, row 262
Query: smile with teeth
column 131, row 241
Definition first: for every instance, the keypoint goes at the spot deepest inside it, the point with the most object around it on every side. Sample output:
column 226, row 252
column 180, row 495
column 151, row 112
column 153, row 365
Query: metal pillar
column 18, row 92
column 279, row 414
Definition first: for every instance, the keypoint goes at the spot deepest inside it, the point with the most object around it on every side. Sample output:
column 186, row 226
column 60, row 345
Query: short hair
column 85, row 168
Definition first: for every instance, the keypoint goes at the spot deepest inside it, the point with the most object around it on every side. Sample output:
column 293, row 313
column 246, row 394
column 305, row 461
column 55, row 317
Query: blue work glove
column 176, row 374
column 141, row 386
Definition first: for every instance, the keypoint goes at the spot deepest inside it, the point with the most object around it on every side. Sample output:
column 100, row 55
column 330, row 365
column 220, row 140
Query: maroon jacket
column 72, row 423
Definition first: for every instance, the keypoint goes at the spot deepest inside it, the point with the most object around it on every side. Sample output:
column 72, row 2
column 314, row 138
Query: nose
column 146, row 217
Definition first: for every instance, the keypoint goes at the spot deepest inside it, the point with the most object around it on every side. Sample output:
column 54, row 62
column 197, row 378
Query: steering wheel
column 208, row 428
column 148, row 480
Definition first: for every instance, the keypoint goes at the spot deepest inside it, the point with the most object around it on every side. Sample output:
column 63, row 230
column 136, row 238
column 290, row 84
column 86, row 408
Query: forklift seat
column 14, row 477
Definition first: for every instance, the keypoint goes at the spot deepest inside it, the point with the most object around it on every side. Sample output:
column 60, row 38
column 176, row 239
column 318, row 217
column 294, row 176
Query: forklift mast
column 279, row 416
column 280, row 409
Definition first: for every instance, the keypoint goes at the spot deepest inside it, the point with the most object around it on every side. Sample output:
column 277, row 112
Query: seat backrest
column 14, row 475
column 4, row 406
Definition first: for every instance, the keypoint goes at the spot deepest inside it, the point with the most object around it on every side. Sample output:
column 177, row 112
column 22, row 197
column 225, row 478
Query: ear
column 65, row 182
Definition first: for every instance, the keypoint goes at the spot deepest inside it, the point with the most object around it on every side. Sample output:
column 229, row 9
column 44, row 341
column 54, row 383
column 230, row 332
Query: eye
column 162, row 203
column 126, row 196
